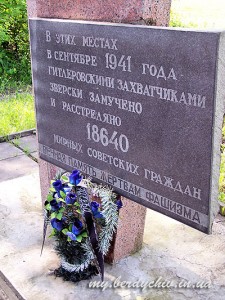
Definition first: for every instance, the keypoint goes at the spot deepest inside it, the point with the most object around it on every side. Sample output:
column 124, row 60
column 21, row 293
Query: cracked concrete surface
column 171, row 251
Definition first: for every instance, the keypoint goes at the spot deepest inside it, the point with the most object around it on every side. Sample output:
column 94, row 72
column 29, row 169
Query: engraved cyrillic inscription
column 132, row 107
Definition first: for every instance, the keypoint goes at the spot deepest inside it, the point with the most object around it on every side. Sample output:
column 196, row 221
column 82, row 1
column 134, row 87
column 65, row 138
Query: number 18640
column 120, row 141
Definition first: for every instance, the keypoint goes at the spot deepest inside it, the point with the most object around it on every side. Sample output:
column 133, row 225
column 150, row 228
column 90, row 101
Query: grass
column 16, row 113
column 11, row 87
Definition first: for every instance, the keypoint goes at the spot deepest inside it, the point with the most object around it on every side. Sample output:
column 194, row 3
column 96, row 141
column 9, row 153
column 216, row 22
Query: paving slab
column 172, row 252
column 8, row 150
column 27, row 143
column 7, row 290
column 16, row 166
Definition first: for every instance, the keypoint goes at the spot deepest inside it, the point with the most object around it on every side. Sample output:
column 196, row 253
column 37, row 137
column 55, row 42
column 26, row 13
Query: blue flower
column 67, row 189
column 55, row 205
column 119, row 203
column 71, row 235
column 57, row 185
column 94, row 206
column 98, row 214
column 95, row 209
column 76, row 230
column 77, row 227
column 75, row 177
column 70, row 198
column 57, row 224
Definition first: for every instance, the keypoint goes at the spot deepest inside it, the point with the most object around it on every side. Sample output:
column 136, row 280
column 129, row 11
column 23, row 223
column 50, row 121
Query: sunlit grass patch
column 16, row 113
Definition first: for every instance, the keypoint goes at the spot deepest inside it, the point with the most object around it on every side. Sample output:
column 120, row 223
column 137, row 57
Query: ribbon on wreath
column 85, row 208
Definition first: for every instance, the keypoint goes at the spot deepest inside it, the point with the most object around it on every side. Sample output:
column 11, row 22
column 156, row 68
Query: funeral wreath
column 84, row 218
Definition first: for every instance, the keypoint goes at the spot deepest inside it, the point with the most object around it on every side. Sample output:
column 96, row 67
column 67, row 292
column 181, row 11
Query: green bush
column 177, row 21
column 14, row 45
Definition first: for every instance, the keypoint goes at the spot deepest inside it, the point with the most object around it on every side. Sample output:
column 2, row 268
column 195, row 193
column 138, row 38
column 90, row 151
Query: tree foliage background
column 14, row 45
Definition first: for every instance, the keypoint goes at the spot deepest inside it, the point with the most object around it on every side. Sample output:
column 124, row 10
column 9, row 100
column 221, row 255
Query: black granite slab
column 133, row 107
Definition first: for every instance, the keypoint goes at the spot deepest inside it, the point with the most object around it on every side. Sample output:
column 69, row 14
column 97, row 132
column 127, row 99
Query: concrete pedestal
column 129, row 236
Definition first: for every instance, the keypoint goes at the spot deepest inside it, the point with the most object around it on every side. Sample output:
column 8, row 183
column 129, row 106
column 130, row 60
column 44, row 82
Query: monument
column 141, row 117
column 134, row 11
column 148, row 121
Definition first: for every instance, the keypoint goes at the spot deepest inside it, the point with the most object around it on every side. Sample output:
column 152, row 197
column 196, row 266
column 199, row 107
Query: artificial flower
column 95, row 209
column 119, row 203
column 55, row 205
column 57, row 224
column 67, row 189
column 77, row 227
column 70, row 198
column 75, row 177
column 57, row 185
column 71, row 235
column 76, row 230
column 94, row 206
column 98, row 214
